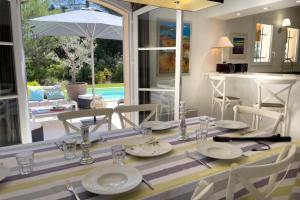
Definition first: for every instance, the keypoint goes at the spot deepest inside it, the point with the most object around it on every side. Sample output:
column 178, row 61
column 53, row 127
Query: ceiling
column 232, row 9
column 188, row 5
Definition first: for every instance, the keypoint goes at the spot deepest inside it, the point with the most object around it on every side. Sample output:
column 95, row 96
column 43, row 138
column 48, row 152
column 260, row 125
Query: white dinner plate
column 219, row 150
column 158, row 125
column 142, row 150
column 112, row 179
column 4, row 171
column 230, row 124
column 77, row 136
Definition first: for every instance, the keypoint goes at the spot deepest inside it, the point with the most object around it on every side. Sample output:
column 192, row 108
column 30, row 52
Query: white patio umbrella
column 88, row 23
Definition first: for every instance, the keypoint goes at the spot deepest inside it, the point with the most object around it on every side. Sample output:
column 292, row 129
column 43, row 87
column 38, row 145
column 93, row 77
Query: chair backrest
column 219, row 86
column 105, row 112
column 203, row 191
column 152, row 108
column 267, row 86
column 276, row 116
column 244, row 174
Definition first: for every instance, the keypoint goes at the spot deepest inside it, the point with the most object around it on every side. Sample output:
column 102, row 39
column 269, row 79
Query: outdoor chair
column 203, row 191
column 244, row 174
column 122, row 110
column 275, row 116
column 106, row 113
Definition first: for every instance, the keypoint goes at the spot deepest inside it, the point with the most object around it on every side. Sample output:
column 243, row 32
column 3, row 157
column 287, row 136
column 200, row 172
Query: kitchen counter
column 250, row 75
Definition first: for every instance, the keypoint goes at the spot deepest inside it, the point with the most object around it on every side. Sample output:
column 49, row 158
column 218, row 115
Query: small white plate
column 158, row 125
column 230, row 124
column 219, row 150
column 77, row 136
column 142, row 150
column 112, row 179
column 4, row 171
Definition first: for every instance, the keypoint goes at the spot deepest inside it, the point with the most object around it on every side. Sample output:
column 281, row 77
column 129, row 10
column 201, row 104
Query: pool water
column 109, row 93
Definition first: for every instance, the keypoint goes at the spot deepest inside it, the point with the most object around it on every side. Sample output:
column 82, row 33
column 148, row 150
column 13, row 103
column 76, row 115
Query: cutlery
column 198, row 160
column 245, row 132
column 148, row 183
column 70, row 188
column 59, row 146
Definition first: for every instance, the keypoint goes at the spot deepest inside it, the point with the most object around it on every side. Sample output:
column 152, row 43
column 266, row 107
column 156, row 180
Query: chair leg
column 212, row 108
column 257, row 121
column 253, row 121
column 284, row 126
column 222, row 110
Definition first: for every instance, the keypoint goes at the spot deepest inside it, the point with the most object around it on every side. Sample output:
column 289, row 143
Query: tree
column 37, row 49
column 77, row 52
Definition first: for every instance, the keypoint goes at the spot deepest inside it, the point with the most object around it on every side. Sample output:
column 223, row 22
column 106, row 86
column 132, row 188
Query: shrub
column 118, row 76
column 103, row 75
column 33, row 83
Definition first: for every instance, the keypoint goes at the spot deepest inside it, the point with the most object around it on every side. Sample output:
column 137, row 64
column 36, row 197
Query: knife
column 148, row 183
column 274, row 138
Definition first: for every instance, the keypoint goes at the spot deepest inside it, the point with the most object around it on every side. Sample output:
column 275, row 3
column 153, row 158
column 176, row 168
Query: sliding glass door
column 155, row 60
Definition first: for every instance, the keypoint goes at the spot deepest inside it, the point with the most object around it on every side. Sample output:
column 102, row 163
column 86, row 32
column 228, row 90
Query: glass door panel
column 157, row 28
column 5, row 22
column 9, row 122
column 156, row 60
column 157, row 69
column 164, row 98
column 7, row 71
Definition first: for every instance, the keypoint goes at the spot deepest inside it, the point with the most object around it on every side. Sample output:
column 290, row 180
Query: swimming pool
column 109, row 93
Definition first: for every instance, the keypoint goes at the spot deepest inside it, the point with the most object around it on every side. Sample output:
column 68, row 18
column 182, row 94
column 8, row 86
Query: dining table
column 173, row 175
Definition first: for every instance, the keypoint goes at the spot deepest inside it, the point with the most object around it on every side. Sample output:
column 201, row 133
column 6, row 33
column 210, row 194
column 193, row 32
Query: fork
column 59, row 146
column 70, row 188
column 198, row 160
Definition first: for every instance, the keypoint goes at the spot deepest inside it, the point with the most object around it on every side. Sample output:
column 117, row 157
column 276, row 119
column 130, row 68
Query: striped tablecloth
column 173, row 176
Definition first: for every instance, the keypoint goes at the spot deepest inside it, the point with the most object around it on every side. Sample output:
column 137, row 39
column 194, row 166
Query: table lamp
column 222, row 43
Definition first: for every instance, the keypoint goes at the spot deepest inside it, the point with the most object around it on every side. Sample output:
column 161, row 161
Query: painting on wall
column 167, row 38
column 239, row 50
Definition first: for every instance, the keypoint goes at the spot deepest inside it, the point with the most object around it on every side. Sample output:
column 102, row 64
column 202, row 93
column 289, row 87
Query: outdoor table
column 174, row 176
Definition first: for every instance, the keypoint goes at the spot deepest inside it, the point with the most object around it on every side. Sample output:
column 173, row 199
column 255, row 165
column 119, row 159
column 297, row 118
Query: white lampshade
column 286, row 22
column 224, row 42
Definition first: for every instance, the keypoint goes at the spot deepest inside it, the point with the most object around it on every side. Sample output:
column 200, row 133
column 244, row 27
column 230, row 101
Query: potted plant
column 76, row 55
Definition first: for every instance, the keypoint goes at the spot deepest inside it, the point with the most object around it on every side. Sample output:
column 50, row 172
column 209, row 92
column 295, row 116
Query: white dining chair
column 219, row 97
column 105, row 113
column 203, row 191
column 273, row 94
column 122, row 110
column 244, row 174
column 275, row 116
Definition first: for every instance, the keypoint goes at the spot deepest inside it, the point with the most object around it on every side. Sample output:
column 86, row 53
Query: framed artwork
column 239, row 50
column 167, row 38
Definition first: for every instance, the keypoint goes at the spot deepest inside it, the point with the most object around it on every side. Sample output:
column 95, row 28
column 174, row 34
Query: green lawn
column 108, row 85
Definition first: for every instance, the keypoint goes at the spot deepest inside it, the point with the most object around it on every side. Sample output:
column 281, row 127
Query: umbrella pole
column 93, row 67
column 93, row 73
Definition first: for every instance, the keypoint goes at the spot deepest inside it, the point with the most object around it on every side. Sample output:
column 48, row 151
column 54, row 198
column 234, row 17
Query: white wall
column 203, row 59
